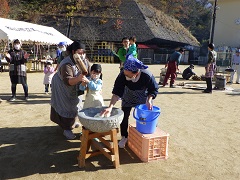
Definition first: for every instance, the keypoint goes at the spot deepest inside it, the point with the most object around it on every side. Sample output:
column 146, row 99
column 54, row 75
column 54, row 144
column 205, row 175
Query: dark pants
column 64, row 123
column 14, row 88
column 209, row 84
column 171, row 70
column 187, row 76
column 124, row 124
column 47, row 87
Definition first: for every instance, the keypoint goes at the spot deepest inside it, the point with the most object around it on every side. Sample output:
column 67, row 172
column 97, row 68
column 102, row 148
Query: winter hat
column 17, row 41
column 133, row 64
column 75, row 46
column 62, row 43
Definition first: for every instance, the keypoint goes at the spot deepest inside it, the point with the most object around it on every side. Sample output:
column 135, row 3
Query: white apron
column 93, row 99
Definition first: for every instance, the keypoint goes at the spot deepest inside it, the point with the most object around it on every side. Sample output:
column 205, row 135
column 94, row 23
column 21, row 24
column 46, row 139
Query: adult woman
column 134, row 85
column 65, row 96
column 17, row 71
column 210, row 67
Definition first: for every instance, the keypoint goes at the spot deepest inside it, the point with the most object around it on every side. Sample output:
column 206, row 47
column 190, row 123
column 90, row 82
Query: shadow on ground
column 34, row 98
column 29, row 150
column 181, row 92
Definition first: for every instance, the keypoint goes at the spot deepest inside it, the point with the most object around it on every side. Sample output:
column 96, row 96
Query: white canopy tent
column 30, row 33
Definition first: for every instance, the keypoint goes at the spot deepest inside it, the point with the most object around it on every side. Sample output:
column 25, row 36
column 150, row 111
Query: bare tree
column 4, row 8
column 91, row 35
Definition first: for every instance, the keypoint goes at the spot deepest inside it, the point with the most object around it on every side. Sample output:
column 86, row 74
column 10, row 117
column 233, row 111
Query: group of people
column 49, row 70
column 174, row 61
column 129, row 47
column 17, row 57
column 172, row 68
column 134, row 85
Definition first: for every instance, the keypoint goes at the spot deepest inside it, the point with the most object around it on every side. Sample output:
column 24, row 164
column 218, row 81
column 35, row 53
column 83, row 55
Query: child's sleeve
column 132, row 50
column 52, row 70
column 45, row 70
column 95, row 85
column 81, row 87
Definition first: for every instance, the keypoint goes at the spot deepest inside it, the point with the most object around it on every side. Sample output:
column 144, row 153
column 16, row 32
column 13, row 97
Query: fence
column 161, row 58
column 224, row 58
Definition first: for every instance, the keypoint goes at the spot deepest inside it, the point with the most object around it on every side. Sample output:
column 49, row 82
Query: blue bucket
column 146, row 120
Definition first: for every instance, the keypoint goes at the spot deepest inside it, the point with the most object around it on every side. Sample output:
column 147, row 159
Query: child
column 48, row 74
column 93, row 84
column 133, row 47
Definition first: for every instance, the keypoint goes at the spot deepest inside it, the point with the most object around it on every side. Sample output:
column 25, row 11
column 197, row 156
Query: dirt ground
column 204, row 135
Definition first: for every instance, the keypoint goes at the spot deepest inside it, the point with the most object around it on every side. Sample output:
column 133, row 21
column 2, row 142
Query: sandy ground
column 204, row 136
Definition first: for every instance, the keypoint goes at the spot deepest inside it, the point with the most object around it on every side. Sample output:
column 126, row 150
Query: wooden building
column 103, row 35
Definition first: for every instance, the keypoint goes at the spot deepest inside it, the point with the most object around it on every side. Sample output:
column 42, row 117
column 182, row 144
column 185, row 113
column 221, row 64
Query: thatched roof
column 146, row 23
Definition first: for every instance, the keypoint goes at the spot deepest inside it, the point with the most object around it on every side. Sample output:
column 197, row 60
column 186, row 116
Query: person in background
column 61, row 53
column 135, row 85
column 48, row 74
column 172, row 67
column 188, row 72
column 133, row 47
column 1, row 67
column 65, row 90
column 122, row 52
column 53, row 54
column 46, row 54
column 236, row 66
column 210, row 68
column 93, row 84
column 17, row 58
column 61, row 47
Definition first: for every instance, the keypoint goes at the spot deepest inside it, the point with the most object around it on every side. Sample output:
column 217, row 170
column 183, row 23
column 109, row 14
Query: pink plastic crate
column 148, row 147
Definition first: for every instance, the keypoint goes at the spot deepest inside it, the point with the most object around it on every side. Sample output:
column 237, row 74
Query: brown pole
column 213, row 21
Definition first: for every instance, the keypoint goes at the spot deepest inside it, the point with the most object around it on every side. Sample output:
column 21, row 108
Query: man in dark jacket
column 172, row 67
column 188, row 72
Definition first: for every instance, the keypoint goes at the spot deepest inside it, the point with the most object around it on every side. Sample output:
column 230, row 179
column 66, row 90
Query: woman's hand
column 149, row 105
column 83, row 83
column 106, row 112
column 149, row 102
column 75, row 80
column 85, row 80
column 80, row 77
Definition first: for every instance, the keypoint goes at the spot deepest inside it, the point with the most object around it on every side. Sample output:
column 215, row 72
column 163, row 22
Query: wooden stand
column 103, row 146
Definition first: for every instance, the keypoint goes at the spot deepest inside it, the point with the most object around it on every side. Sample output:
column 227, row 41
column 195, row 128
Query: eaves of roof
column 136, row 19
